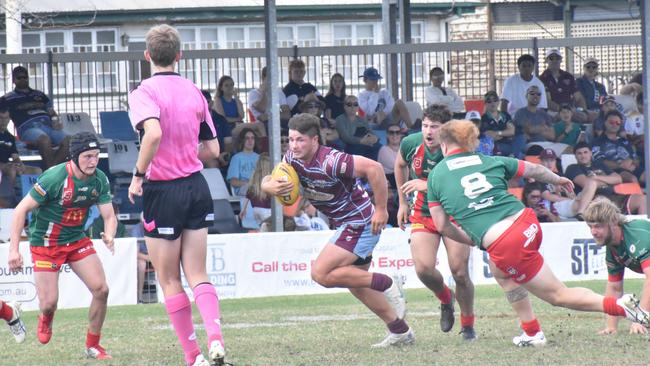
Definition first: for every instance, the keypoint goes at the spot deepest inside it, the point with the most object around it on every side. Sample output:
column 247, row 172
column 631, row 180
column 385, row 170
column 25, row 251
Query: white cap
column 553, row 51
column 470, row 115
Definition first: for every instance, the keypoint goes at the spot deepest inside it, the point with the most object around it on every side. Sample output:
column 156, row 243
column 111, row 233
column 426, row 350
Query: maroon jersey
column 329, row 183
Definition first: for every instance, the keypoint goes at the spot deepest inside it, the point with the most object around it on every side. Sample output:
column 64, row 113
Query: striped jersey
column 329, row 183
column 63, row 204
column 420, row 161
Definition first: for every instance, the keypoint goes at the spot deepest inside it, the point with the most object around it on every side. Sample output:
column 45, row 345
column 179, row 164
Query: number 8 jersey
column 473, row 188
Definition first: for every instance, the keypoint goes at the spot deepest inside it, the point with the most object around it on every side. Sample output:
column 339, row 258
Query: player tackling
column 472, row 188
column 329, row 180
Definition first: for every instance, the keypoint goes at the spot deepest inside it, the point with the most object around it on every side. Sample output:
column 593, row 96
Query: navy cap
column 371, row 74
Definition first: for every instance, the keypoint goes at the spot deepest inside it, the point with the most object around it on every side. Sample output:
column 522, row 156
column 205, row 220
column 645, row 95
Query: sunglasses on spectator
column 591, row 67
column 351, row 104
column 394, row 132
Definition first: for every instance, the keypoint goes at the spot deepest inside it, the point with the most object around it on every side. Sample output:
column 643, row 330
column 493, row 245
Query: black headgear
column 80, row 142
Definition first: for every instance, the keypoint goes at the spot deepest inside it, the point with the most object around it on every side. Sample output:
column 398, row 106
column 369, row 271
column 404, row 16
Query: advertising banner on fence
column 120, row 269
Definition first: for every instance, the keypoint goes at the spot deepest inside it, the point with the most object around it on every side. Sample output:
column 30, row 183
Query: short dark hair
column 438, row 113
column 19, row 70
column 306, row 124
column 614, row 113
column 435, row 69
column 524, row 58
column 581, row 145
column 566, row 106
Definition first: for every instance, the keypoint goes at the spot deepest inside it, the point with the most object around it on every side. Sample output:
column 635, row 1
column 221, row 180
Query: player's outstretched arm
column 441, row 220
column 20, row 213
column 209, row 149
column 110, row 225
column 614, row 289
column 545, row 175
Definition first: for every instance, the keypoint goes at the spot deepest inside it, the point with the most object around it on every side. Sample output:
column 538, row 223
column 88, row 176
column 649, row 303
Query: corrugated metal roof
column 48, row 6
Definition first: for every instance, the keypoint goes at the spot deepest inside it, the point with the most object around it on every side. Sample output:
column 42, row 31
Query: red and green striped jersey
column 473, row 189
column 420, row 161
column 632, row 252
column 63, row 204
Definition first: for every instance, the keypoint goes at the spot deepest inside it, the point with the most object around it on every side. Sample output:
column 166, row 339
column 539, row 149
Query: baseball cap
column 371, row 74
column 547, row 154
column 590, row 60
column 553, row 51
column 608, row 98
column 471, row 115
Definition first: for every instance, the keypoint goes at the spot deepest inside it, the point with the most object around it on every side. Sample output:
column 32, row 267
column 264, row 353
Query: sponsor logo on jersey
column 417, row 163
column 485, row 202
column 83, row 189
column 39, row 189
column 530, row 233
column 463, row 162
column 632, row 248
column 94, row 193
column 80, row 198
column 512, row 271
column 344, row 167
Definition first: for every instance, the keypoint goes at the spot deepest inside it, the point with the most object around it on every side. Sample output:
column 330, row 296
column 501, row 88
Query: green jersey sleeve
column 47, row 186
column 514, row 167
column 432, row 193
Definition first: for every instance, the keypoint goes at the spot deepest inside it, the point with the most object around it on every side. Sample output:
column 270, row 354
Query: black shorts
column 174, row 205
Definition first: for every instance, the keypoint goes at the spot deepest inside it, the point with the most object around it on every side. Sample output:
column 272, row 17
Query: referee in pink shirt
column 177, row 133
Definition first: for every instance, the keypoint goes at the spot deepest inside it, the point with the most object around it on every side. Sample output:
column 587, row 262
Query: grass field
column 336, row 330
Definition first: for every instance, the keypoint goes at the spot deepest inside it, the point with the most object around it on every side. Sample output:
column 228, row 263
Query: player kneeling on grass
column 472, row 188
column 10, row 312
column 628, row 246
column 329, row 181
column 59, row 202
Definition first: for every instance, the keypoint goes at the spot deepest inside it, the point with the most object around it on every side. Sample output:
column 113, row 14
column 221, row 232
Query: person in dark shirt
column 335, row 98
column 499, row 126
column 35, row 119
column 591, row 90
column 616, row 152
column 297, row 88
column 224, row 135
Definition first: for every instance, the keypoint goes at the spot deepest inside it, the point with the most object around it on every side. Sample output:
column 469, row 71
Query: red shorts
column 516, row 251
column 50, row 259
column 421, row 224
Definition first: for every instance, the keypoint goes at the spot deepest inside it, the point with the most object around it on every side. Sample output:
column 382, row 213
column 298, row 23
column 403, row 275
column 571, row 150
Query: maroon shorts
column 50, row 259
column 516, row 251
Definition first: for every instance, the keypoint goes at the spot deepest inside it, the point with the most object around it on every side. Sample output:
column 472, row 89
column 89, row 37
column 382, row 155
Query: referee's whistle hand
column 135, row 189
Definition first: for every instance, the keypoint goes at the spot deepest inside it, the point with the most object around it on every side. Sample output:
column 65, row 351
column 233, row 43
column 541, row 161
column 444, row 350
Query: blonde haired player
column 473, row 189
column 627, row 245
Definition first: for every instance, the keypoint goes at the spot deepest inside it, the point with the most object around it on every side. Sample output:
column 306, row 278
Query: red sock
column 92, row 340
column 466, row 320
column 531, row 328
column 610, row 307
column 444, row 296
column 6, row 312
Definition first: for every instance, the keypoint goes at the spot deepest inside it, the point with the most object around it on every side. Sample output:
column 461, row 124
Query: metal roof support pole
column 645, row 52
column 567, row 34
column 407, row 58
column 13, row 24
column 389, row 30
column 272, row 72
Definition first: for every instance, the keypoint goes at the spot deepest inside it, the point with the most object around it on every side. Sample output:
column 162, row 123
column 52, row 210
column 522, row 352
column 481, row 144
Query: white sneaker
column 524, row 340
column 393, row 339
column 16, row 324
column 395, row 296
column 633, row 311
column 217, row 353
column 200, row 361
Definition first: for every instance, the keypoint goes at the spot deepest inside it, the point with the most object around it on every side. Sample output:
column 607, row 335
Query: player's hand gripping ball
column 285, row 172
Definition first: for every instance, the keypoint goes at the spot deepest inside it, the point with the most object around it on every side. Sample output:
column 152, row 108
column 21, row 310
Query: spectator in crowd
column 616, row 152
column 388, row 153
column 378, row 104
column 259, row 200
column 35, row 120
column 297, row 88
column 515, row 88
column 635, row 126
column 10, row 164
column 627, row 98
column 499, row 126
column 566, row 131
column 227, row 102
column 284, row 141
column 536, row 124
column 313, row 104
column 437, row 94
column 485, row 142
column 561, row 87
column 224, row 135
column 258, row 101
column 355, row 131
column 242, row 164
column 608, row 104
column 567, row 204
column 335, row 98
column 592, row 91
column 586, row 169
column 532, row 198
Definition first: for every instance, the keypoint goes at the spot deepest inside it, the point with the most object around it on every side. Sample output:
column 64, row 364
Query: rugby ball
column 286, row 172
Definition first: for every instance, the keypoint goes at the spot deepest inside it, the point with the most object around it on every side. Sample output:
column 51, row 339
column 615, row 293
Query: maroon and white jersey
column 329, row 183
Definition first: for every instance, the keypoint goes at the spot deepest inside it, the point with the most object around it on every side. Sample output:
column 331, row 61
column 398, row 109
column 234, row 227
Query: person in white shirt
column 437, row 94
column 513, row 97
column 378, row 104
column 258, row 102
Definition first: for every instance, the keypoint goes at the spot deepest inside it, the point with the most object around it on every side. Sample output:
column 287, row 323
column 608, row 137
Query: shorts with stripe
column 423, row 224
column 50, row 259
column 357, row 239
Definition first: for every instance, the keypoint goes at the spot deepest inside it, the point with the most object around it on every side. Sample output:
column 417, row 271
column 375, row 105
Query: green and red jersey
column 421, row 162
column 632, row 252
column 473, row 188
column 63, row 204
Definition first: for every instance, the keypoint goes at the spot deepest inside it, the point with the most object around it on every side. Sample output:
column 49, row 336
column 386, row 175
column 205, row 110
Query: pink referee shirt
column 181, row 108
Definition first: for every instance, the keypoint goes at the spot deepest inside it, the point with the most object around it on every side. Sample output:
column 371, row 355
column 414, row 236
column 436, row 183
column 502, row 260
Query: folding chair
column 117, row 126
column 218, row 189
column 225, row 221
column 74, row 123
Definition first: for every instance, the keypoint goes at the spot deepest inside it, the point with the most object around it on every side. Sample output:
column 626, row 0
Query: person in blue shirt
column 243, row 163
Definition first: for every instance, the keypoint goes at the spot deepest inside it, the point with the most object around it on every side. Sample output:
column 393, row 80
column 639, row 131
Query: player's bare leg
column 518, row 298
column 91, row 273
column 193, row 254
column 458, row 257
column 333, row 268
column 165, row 256
column 47, row 289
column 424, row 250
